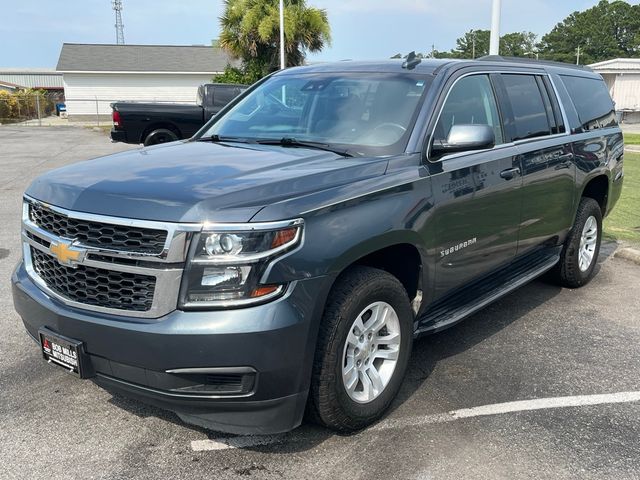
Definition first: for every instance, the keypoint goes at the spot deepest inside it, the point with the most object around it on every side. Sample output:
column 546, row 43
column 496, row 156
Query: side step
column 454, row 307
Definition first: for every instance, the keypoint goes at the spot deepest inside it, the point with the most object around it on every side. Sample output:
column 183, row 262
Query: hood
column 197, row 181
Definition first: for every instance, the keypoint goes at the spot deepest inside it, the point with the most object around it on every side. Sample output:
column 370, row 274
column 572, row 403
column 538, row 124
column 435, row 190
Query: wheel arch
column 161, row 124
column 397, row 253
column 597, row 188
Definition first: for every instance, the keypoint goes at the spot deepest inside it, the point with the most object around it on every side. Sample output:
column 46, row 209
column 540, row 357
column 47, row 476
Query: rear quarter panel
column 600, row 152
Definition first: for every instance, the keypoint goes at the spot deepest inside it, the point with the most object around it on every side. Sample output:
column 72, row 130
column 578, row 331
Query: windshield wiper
column 218, row 139
column 293, row 142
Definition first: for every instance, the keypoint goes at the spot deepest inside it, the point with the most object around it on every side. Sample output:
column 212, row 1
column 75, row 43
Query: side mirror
column 463, row 138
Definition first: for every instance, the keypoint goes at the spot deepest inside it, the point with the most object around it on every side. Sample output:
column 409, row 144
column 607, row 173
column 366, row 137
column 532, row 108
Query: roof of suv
column 430, row 66
column 383, row 66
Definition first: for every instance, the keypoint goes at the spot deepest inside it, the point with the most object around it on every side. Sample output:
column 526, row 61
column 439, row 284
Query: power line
column 117, row 7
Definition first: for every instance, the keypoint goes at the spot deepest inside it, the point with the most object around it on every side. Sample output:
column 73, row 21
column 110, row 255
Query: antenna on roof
column 411, row 61
column 117, row 7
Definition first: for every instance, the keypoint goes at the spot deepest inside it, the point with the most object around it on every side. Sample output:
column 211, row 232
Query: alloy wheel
column 588, row 242
column 371, row 352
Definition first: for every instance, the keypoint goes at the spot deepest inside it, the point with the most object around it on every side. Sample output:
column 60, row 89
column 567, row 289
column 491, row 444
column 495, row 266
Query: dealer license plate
column 62, row 351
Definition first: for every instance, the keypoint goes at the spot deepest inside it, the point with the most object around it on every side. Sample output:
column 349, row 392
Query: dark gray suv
column 284, row 259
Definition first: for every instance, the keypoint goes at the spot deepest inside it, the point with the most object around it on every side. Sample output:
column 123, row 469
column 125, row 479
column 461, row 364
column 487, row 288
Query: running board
column 453, row 308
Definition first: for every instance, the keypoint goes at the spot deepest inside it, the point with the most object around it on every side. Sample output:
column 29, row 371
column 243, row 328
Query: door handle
column 564, row 161
column 509, row 173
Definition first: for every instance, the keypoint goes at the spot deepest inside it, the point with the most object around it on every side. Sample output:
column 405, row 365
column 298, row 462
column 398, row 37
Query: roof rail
column 500, row 58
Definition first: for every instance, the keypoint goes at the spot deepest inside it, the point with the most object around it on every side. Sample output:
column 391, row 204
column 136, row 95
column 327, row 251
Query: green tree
column 607, row 30
column 251, row 33
column 232, row 75
column 518, row 44
column 475, row 44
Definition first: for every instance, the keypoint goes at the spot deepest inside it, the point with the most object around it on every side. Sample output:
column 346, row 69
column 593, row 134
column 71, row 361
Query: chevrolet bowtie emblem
column 67, row 254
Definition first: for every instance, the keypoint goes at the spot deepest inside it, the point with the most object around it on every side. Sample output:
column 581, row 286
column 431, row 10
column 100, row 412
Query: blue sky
column 32, row 31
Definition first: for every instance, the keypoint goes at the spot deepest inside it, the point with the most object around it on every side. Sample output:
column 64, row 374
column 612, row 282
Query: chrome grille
column 101, row 235
column 95, row 286
column 105, row 264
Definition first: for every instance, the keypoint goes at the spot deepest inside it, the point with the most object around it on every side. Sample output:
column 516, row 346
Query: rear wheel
column 160, row 135
column 364, row 346
column 580, row 252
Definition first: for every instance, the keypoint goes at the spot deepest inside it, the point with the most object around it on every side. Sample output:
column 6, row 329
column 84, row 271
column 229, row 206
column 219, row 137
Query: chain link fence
column 21, row 107
column 41, row 109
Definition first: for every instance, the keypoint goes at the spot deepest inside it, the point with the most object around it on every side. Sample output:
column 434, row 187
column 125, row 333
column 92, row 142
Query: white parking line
column 510, row 407
column 394, row 424
column 237, row 442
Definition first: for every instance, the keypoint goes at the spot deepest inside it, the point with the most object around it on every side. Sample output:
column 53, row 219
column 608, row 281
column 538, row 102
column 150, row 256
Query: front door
column 477, row 194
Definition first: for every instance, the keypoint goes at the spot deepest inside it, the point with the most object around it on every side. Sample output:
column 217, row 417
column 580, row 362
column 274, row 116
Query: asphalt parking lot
column 570, row 359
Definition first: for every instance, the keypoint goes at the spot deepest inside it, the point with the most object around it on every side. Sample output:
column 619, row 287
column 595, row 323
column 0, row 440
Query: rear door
column 537, row 127
column 477, row 194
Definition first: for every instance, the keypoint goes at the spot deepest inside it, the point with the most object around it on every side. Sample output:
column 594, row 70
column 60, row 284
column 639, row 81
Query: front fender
column 338, row 235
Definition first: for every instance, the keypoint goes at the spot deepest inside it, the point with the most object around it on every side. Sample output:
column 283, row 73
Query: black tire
column 160, row 135
column 329, row 403
column 568, row 272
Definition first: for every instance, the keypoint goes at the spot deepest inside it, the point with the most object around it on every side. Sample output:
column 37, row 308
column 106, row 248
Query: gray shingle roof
column 141, row 58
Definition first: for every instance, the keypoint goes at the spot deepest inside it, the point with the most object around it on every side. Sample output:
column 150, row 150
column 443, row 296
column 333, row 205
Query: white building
column 622, row 76
column 94, row 76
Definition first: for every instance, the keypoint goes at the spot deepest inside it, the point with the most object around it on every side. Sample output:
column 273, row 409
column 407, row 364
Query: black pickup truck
column 153, row 123
column 283, row 260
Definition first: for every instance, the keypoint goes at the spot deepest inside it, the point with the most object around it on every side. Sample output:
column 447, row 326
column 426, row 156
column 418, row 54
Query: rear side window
column 224, row 94
column 529, row 109
column 592, row 101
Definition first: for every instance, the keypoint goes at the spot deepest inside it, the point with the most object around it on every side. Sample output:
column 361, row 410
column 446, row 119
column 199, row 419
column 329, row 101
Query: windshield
column 364, row 113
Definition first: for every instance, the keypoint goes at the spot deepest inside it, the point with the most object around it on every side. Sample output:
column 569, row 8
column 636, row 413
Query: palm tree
column 251, row 29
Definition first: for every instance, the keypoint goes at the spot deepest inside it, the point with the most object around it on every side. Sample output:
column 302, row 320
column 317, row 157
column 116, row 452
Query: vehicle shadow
column 427, row 352
column 431, row 349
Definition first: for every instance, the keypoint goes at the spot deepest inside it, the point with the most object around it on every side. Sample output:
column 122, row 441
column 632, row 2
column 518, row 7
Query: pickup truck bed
column 138, row 121
column 154, row 123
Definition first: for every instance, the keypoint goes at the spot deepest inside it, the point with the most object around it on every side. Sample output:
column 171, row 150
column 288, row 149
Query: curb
column 627, row 253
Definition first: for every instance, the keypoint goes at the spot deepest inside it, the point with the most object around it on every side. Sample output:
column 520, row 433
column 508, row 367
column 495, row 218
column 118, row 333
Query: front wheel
column 364, row 346
column 580, row 252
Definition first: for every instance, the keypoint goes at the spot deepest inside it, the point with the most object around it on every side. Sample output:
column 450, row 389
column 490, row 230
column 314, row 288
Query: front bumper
column 151, row 360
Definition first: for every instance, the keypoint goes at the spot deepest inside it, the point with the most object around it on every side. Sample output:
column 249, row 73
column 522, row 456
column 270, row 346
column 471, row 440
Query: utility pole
column 578, row 55
column 494, row 45
column 473, row 47
column 283, row 62
column 117, row 7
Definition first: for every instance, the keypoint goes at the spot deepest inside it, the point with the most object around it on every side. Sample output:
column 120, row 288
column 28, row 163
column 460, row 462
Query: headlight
column 226, row 263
